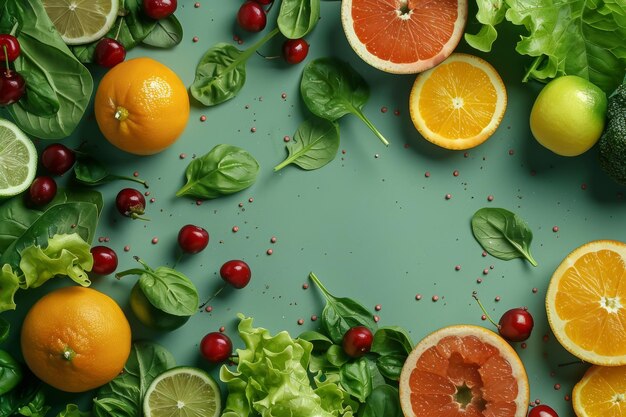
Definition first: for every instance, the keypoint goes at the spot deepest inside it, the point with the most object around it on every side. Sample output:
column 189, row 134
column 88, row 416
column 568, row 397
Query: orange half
column 601, row 392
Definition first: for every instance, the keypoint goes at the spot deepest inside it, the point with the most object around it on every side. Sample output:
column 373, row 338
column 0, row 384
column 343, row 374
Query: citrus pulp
column 601, row 392
column 82, row 21
column 18, row 160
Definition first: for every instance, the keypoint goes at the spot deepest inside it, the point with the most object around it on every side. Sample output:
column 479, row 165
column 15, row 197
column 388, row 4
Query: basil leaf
column 169, row 291
column 113, row 407
column 226, row 169
column 167, row 33
column 27, row 392
column 90, row 172
column 314, row 145
column 390, row 365
column 331, row 88
column 336, row 356
column 384, row 401
column 10, row 372
column 318, row 340
column 39, row 98
column 5, row 326
column 392, row 339
column 502, row 234
column 297, row 18
column 355, row 377
column 341, row 314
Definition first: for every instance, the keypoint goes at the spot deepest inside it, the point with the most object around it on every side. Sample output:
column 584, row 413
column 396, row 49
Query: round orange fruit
column 601, row 392
column 75, row 339
column 141, row 106
column 463, row 370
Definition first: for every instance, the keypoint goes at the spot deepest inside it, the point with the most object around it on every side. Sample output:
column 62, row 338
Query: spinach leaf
column 336, row 356
column 297, row 18
column 26, row 393
column 331, row 88
column 45, row 55
column 226, row 169
column 384, row 401
column 10, row 372
column 221, row 72
column 39, row 99
column 5, row 326
column 356, row 379
column 167, row 33
column 503, row 234
column 36, row 407
column 314, row 145
column 318, row 340
column 392, row 339
column 123, row 396
column 90, row 172
column 340, row 314
column 390, row 365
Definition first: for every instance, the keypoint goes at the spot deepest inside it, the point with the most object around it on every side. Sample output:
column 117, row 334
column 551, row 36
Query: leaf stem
column 215, row 294
column 530, row 258
column 137, row 180
column 533, row 67
column 369, row 124
column 475, row 296
column 283, row 164
column 319, row 284
column 246, row 54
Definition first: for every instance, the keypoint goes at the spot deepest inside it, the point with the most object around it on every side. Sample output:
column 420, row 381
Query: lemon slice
column 182, row 392
column 18, row 160
column 82, row 21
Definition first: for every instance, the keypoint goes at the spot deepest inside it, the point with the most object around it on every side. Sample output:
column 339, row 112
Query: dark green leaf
column 27, row 392
column 383, row 402
column 336, row 356
column 390, row 365
column 39, row 98
column 36, row 407
column 502, row 234
column 169, row 291
column 378, row 378
column 355, row 377
column 319, row 341
column 90, row 172
column 314, row 145
column 10, row 372
column 113, row 407
column 297, row 18
column 5, row 326
column 392, row 339
column 226, row 169
column 220, row 75
column 167, row 33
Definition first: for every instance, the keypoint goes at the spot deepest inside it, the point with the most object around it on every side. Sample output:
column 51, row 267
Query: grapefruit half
column 403, row 36
column 465, row 371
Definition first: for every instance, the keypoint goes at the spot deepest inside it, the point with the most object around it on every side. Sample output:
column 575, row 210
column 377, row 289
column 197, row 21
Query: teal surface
column 370, row 224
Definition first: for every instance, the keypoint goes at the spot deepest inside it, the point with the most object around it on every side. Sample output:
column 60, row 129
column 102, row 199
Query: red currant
column 12, row 87
column 357, row 341
column 295, row 50
column 159, row 9
column 12, row 46
column 57, row 159
column 42, row 190
column 104, row 260
column 236, row 273
column 542, row 411
column 109, row 53
column 251, row 17
column 130, row 203
column 216, row 347
column 516, row 325
column 192, row 239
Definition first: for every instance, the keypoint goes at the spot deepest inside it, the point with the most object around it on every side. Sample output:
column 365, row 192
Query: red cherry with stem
column 542, row 411
column 216, row 347
column 9, row 47
column 159, row 9
column 192, row 239
column 57, row 159
column 357, row 341
column 109, row 53
column 251, row 17
column 516, row 325
column 131, row 203
column 42, row 190
column 104, row 260
column 237, row 273
column 12, row 87
column 295, row 50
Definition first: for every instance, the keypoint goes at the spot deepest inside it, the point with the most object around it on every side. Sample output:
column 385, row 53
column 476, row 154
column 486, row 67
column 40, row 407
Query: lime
column 151, row 316
column 18, row 160
column 182, row 391
column 568, row 115
column 82, row 21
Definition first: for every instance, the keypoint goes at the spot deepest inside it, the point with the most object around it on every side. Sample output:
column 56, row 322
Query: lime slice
column 182, row 391
column 18, row 160
column 82, row 21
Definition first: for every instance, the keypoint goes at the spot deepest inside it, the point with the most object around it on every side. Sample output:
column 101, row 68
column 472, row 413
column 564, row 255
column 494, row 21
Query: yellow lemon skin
column 568, row 115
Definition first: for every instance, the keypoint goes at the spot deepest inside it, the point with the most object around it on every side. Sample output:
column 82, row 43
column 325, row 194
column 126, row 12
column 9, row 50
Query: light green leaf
column 9, row 283
column 490, row 13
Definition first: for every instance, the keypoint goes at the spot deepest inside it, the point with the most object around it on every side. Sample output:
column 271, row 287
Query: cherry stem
column 578, row 362
column 269, row 8
column 219, row 290
column 136, row 216
column 178, row 260
column 475, row 296
column 268, row 57
column 6, row 59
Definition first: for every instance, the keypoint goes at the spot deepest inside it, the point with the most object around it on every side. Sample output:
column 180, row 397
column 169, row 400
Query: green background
column 370, row 224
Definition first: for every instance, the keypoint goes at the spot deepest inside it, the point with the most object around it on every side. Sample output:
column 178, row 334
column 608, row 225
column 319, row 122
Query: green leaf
column 10, row 283
column 336, row 356
column 170, row 291
column 39, row 99
column 390, row 365
column 36, row 407
column 90, row 172
column 392, row 339
column 72, row 410
column 356, row 379
column 10, row 372
column 167, row 33
column 5, row 326
column 226, row 169
column 297, row 18
column 314, row 145
column 384, row 401
column 503, row 234
column 319, row 341
column 27, row 396
column 490, row 14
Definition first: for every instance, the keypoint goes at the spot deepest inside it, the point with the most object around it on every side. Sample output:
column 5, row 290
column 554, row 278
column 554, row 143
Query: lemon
column 82, row 21
column 568, row 115
column 18, row 160
column 182, row 391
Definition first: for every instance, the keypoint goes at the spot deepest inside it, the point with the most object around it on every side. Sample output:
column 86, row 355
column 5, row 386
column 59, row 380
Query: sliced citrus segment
column 586, row 303
column 459, row 103
column 182, row 392
column 463, row 371
column 403, row 36
column 601, row 392
column 82, row 21
column 18, row 160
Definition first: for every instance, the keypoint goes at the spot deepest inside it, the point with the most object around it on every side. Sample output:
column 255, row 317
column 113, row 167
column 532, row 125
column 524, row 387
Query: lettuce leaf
column 9, row 283
column 490, row 13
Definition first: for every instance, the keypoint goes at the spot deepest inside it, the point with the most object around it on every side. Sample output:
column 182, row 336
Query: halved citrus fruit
column 586, row 303
column 82, row 21
column 403, row 36
column 601, row 392
column 459, row 103
column 463, row 370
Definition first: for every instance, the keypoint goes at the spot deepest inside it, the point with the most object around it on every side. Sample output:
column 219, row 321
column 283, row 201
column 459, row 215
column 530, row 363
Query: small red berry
column 104, row 260
column 295, row 50
column 12, row 87
column 237, row 273
column 357, row 341
column 159, row 9
column 251, row 16
column 42, row 190
column 192, row 239
column 516, row 325
column 109, row 53
column 12, row 48
column 216, row 347
column 130, row 203
column 57, row 159
column 542, row 411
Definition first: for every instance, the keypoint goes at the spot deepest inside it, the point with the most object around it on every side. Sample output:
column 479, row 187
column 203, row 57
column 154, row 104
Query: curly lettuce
column 566, row 37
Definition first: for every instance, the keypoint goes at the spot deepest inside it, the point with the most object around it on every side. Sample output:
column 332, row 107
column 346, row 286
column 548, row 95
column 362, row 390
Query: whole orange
column 141, row 106
column 76, row 339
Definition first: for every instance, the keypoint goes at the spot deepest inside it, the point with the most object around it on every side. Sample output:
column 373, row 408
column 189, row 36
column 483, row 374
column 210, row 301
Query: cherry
column 109, row 53
column 159, row 9
column 542, row 411
column 516, row 325
column 12, row 87
column 264, row 2
column 131, row 203
column 192, row 239
column 295, row 50
column 104, row 260
column 357, row 341
column 251, row 17
column 9, row 48
column 216, row 347
column 57, row 158
column 42, row 190
column 236, row 273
